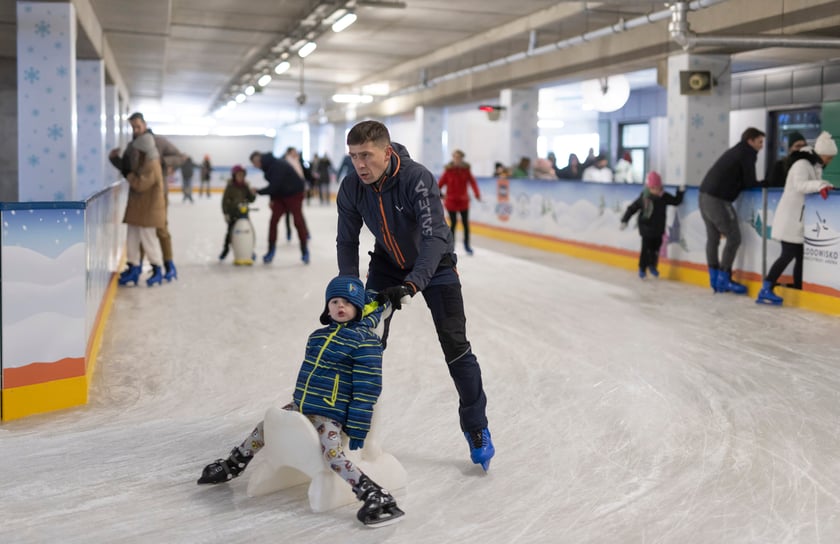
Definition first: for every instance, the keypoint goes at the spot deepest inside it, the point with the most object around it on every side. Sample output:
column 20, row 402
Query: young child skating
column 236, row 193
column 652, row 207
column 337, row 386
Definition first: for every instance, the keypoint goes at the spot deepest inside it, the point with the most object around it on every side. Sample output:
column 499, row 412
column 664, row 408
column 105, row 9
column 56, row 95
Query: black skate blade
column 387, row 517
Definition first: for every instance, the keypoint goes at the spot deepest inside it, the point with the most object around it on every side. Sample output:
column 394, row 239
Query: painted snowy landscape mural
column 590, row 213
column 43, row 295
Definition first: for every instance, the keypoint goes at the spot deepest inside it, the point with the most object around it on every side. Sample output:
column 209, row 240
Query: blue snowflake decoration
column 61, row 71
column 90, row 108
column 30, row 49
column 62, row 155
column 55, row 132
column 80, row 169
column 58, row 45
column 49, row 90
column 42, row 28
column 34, row 160
column 58, row 195
column 31, row 74
column 36, row 112
column 697, row 121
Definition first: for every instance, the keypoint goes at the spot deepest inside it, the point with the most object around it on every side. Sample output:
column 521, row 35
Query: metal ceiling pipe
column 621, row 26
column 681, row 33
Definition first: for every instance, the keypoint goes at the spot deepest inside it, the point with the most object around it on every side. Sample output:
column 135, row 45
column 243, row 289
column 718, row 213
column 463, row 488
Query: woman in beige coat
column 144, row 212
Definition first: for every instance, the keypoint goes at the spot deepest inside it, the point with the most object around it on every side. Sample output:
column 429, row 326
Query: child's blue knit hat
column 348, row 287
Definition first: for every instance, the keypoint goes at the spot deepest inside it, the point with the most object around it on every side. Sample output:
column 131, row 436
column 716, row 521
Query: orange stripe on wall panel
column 69, row 367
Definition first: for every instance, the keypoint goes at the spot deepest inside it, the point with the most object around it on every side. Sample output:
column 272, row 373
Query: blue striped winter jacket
column 341, row 375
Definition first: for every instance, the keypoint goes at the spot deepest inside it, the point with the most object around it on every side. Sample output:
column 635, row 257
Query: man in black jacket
column 285, row 189
column 733, row 172
column 399, row 201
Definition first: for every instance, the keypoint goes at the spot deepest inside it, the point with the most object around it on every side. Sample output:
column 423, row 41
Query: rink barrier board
column 50, row 387
column 813, row 297
column 58, row 394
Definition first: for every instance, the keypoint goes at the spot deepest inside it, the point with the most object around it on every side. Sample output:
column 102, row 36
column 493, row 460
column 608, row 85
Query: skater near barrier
column 286, row 190
column 144, row 212
column 456, row 180
column 236, row 192
column 399, row 201
column 804, row 176
column 204, row 176
column 652, row 206
column 170, row 157
column 733, row 172
column 337, row 387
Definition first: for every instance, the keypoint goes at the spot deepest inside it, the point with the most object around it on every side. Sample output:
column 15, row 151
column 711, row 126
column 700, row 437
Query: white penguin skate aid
column 292, row 456
column 243, row 239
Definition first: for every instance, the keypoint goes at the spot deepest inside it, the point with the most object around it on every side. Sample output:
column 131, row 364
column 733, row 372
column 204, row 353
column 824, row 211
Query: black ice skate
column 224, row 470
column 380, row 508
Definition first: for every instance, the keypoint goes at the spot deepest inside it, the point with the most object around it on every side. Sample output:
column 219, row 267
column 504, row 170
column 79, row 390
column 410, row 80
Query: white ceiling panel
column 175, row 51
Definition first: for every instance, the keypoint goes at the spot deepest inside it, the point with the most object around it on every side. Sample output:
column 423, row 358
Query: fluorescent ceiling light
column 282, row 67
column 240, row 98
column 307, row 49
column 249, row 90
column 264, row 80
column 347, row 20
column 231, row 104
column 352, row 98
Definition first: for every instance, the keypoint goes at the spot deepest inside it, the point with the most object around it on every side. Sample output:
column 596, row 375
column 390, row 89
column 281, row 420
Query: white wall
column 403, row 131
column 741, row 120
column 224, row 151
column 481, row 140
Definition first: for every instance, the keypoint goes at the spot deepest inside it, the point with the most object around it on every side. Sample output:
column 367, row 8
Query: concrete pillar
column 90, row 101
column 112, row 121
column 8, row 131
column 430, row 124
column 698, row 125
column 520, row 119
column 46, row 57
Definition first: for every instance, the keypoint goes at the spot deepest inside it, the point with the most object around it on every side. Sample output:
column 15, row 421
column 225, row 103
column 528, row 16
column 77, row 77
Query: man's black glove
column 396, row 294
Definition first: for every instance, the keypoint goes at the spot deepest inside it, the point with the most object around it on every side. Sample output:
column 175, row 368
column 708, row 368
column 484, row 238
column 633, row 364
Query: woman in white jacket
column 804, row 177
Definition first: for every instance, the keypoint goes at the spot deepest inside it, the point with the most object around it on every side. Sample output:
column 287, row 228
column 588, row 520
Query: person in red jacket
column 455, row 179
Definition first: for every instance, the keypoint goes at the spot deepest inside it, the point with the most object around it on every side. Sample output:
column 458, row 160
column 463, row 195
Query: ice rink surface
column 623, row 411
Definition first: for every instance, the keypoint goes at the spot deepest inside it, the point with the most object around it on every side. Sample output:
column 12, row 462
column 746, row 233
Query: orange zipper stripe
column 390, row 241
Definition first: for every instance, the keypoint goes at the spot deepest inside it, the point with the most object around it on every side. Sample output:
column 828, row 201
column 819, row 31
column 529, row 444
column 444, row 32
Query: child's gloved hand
column 824, row 192
column 623, row 226
column 356, row 444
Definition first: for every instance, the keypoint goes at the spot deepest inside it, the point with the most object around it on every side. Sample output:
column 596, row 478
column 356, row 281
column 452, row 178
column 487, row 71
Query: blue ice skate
column 767, row 296
column 481, row 447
